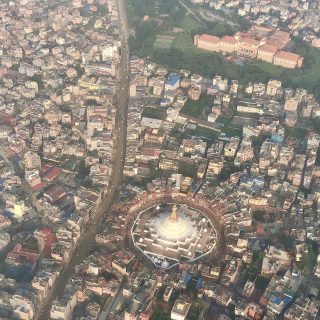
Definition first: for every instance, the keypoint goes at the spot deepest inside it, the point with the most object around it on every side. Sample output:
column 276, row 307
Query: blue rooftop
column 173, row 79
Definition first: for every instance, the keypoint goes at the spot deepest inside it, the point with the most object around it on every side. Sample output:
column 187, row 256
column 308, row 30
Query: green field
column 182, row 41
column 155, row 113
column 163, row 42
column 198, row 109
column 206, row 133
column 296, row 132
column 189, row 23
column 231, row 131
column 224, row 119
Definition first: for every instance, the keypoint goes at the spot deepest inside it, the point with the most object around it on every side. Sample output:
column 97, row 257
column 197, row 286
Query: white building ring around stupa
column 169, row 234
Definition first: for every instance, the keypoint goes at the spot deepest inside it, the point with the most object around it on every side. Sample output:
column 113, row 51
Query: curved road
column 88, row 236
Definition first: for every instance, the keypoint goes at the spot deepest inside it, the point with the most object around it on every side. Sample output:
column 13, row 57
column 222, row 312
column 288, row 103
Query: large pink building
column 266, row 52
column 245, row 45
column 287, row 60
column 228, row 44
column 207, row 42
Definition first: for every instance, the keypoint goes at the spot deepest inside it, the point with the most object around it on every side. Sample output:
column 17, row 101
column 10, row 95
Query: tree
column 83, row 170
column 187, row 169
column 309, row 258
column 254, row 268
column 154, row 170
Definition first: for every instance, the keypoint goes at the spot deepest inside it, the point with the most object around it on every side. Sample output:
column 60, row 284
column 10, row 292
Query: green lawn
column 296, row 132
column 163, row 41
column 198, row 109
column 187, row 169
column 189, row 23
column 155, row 113
column 232, row 131
column 224, row 119
column 206, row 133
column 182, row 41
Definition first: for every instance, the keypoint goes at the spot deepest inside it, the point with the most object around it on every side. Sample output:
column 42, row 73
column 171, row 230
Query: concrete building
column 180, row 309
column 172, row 83
column 246, row 45
column 31, row 160
column 287, row 60
column 22, row 307
column 266, row 53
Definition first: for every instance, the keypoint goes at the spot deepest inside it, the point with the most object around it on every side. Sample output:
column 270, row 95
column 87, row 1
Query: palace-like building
column 265, row 47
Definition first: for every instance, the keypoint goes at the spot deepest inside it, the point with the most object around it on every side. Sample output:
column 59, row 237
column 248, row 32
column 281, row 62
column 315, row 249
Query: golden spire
column 174, row 214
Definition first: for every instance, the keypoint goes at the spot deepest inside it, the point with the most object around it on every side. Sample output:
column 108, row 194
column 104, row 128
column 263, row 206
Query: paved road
column 87, row 239
column 112, row 302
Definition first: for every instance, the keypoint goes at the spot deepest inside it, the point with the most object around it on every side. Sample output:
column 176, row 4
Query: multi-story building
column 22, row 307
column 303, row 308
column 228, row 44
column 287, row 60
column 246, row 45
column 172, row 82
column 207, row 42
column 266, row 52
column 31, row 160
column 291, row 105
column 180, row 309
column 273, row 87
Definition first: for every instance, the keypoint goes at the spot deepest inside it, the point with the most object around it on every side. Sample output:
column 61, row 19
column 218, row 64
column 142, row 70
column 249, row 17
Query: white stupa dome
column 173, row 226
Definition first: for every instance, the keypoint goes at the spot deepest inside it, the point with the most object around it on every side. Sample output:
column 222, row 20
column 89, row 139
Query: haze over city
column 159, row 159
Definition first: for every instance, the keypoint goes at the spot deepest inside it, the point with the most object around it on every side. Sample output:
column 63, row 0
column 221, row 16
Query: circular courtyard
column 170, row 233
